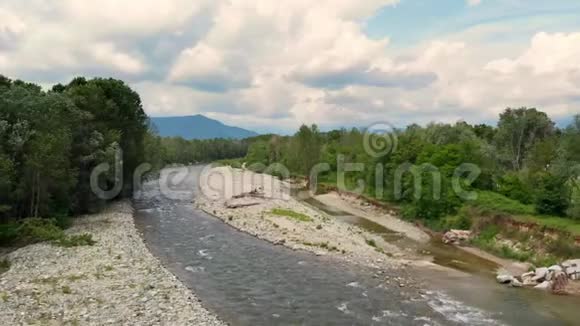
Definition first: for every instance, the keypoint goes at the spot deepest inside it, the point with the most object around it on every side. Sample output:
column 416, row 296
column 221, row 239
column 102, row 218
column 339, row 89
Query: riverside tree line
column 525, row 158
column 51, row 140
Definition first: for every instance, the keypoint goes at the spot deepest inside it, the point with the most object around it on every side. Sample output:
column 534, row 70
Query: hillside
column 197, row 127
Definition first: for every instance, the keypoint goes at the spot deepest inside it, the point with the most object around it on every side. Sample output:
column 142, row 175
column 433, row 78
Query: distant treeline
column 171, row 150
column 51, row 141
column 525, row 158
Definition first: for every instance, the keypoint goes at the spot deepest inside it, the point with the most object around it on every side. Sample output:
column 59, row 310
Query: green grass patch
column 492, row 202
column 40, row 229
column 34, row 230
column 291, row 214
column 509, row 253
column 76, row 240
column 371, row 243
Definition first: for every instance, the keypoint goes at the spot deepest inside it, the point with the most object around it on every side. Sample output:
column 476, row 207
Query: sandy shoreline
column 115, row 282
column 357, row 207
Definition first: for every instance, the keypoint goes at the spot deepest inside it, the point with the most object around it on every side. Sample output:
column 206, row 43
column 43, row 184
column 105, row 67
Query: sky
column 271, row 66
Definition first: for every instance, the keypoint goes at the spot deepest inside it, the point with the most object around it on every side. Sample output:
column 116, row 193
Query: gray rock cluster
column 456, row 236
column 554, row 278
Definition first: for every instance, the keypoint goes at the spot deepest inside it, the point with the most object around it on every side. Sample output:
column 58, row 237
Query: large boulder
column 571, row 263
column 572, row 268
column 456, row 236
column 540, row 274
column 555, row 268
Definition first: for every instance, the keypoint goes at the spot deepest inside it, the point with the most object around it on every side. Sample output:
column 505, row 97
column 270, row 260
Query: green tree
column 307, row 146
column 518, row 130
column 552, row 195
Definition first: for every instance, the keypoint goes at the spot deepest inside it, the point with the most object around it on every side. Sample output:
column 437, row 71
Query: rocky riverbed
column 114, row 282
column 250, row 201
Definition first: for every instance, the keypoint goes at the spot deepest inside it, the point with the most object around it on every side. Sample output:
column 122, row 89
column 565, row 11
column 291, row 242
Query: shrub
column 552, row 195
column 461, row 221
column 512, row 186
column 510, row 253
column 491, row 202
column 432, row 205
column 564, row 247
column 8, row 233
column 4, row 265
column 63, row 221
column 574, row 211
column 371, row 243
column 39, row 229
column 486, row 237
column 76, row 240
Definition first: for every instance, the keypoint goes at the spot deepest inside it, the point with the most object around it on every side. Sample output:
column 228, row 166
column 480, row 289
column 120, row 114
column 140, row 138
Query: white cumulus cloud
column 272, row 65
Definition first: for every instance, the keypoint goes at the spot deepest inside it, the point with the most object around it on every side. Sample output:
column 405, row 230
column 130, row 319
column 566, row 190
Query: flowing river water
column 247, row 281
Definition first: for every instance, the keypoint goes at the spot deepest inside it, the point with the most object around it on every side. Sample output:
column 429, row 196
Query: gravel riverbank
column 248, row 201
column 117, row 281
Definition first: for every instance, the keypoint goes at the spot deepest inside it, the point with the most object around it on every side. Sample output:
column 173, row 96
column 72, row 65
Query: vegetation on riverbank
column 4, row 265
column 291, row 214
column 54, row 143
column 527, row 173
column 51, row 143
column 32, row 230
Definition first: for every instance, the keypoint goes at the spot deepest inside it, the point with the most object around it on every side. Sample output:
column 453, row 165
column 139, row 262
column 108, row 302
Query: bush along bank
column 33, row 230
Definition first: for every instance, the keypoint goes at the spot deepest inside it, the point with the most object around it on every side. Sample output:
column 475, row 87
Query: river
column 247, row 281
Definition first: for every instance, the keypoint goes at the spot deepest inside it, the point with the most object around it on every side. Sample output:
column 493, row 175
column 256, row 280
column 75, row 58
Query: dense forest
column 51, row 141
column 527, row 168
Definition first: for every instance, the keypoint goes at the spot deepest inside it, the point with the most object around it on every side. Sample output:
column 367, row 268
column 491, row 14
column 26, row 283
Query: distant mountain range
column 197, row 127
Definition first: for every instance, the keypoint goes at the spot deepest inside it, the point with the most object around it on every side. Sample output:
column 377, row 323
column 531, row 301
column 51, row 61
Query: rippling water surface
column 247, row 281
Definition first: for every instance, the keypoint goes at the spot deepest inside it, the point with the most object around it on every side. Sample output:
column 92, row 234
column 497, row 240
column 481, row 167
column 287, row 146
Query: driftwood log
column 239, row 205
column 258, row 193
